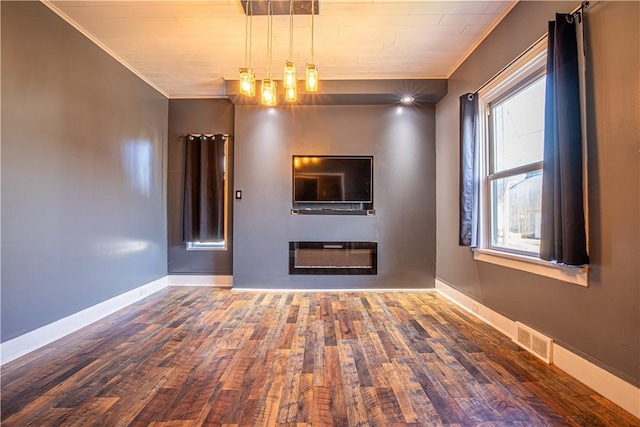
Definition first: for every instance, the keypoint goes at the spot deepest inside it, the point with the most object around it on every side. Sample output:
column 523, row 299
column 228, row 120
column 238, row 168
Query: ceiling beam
column 353, row 92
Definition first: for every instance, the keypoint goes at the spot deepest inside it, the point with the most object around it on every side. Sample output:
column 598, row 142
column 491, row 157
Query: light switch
column 238, row 194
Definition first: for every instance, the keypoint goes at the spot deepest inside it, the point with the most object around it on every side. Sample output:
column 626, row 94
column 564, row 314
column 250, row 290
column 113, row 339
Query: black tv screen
column 333, row 179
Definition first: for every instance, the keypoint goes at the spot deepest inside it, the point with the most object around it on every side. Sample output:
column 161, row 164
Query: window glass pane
column 518, row 127
column 515, row 212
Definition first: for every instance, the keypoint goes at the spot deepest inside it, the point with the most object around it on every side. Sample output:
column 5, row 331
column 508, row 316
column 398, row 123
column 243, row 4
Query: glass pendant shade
column 247, row 82
column 291, row 94
column 289, row 79
column 268, row 92
column 312, row 78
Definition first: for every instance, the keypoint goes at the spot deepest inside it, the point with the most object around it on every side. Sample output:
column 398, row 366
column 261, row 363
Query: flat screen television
column 333, row 180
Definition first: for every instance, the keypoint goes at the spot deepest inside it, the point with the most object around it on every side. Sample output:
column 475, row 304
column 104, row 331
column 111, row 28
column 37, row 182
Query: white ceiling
column 189, row 48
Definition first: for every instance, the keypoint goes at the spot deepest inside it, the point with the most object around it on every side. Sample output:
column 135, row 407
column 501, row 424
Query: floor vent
column 533, row 341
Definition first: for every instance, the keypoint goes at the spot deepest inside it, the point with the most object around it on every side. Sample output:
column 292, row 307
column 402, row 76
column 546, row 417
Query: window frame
column 514, row 77
column 504, row 93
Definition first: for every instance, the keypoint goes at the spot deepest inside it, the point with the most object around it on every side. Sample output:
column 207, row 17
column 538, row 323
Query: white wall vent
column 533, row 341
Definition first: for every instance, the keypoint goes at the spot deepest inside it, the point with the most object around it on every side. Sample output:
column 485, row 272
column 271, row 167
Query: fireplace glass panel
column 345, row 258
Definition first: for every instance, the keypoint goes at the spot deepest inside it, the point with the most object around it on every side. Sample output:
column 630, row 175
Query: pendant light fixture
column 268, row 84
column 289, row 80
column 311, row 75
column 247, row 76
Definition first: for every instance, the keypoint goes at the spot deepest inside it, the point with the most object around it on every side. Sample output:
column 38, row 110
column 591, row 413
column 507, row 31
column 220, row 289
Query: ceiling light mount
column 407, row 100
column 261, row 7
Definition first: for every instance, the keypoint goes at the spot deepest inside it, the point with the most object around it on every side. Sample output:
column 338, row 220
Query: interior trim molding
column 101, row 45
column 187, row 96
column 325, row 290
column 480, row 40
column 575, row 275
column 222, row 282
column 620, row 392
column 31, row 341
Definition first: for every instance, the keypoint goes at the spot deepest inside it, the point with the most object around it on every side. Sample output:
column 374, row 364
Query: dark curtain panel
column 203, row 207
column 469, row 179
column 563, row 237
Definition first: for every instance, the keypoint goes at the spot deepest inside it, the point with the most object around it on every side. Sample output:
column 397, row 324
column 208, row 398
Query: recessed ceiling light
column 407, row 99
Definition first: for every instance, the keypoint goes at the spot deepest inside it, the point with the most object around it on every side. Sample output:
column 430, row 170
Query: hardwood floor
column 197, row 356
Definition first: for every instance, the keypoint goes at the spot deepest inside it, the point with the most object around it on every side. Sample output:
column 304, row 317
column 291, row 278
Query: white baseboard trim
column 19, row 346
column 497, row 320
column 326, row 290
column 620, row 392
column 24, row 344
column 613, row 388
column 223, row 282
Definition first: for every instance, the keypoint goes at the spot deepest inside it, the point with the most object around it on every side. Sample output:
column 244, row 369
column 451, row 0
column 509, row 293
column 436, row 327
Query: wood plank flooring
column 197, row 356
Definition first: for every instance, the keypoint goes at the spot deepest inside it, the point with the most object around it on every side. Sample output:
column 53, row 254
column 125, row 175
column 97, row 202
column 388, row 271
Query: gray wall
column 601, row 322
column 195, row 116
column 402, row 143
column 83, row 193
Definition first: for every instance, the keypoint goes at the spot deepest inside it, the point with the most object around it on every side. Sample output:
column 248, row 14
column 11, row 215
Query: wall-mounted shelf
column 329, row 211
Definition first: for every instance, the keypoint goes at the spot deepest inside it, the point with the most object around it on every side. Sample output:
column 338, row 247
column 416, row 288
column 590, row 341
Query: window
column 206, row 188
column 516, row 132
column 511, row 144
column 511, row 138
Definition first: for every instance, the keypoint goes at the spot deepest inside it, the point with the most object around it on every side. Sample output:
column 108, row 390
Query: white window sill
column 575, row 275
column 206, row 246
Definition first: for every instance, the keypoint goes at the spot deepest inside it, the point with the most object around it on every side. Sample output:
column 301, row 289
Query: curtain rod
column 207, row 135
column 582, row 6
column 511, row 63
column 577, row 10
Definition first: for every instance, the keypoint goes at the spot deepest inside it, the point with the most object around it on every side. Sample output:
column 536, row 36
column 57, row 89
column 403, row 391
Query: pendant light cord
column 269, row 35
column 312, row 19
column 250, row 30
column 246, row 36
column 290, row 30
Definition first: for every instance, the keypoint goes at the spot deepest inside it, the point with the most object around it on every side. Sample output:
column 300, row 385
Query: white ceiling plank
column 188, row 48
